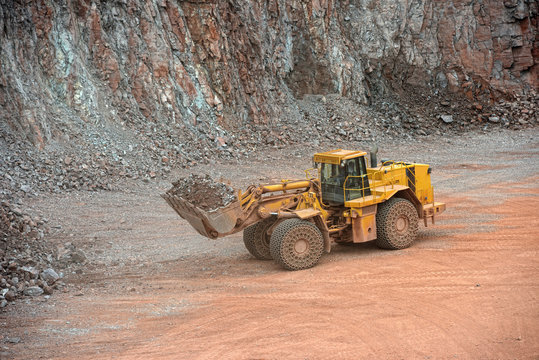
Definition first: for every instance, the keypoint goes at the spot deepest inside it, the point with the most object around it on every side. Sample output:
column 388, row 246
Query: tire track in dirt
column 434, row 322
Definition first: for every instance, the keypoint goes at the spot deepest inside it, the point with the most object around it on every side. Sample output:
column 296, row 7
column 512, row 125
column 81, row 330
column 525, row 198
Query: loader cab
column 343, row 176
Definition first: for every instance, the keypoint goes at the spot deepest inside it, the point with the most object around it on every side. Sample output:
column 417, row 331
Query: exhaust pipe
column 373, row 160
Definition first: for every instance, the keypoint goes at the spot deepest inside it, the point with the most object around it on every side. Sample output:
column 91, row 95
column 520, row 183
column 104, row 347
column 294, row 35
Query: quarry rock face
column 214, row 66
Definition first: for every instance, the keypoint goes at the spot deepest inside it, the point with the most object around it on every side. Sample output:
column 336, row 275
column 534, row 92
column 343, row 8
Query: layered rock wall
column 209, row 67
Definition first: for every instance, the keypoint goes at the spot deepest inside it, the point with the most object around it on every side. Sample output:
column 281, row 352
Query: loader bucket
column 211, row 224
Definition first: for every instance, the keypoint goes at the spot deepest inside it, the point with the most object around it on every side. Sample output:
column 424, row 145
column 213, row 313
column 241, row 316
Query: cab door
column 357, row 183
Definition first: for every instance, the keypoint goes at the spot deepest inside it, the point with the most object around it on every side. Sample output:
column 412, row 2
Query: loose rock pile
column 203, row 192
column 23, row 255
column 522, row 112
column 90, row 163
column 415, row 112
column 28, row 171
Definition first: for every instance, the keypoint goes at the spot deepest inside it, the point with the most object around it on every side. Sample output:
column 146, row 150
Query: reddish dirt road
column 468, row 289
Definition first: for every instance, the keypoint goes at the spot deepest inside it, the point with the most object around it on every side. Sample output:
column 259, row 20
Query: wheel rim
column 257, row 240
column 265, row 237
column 301, row 246
column 402, row 224
column 396, row 224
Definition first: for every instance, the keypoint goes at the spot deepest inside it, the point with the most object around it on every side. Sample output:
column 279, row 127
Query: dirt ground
column 154, row 289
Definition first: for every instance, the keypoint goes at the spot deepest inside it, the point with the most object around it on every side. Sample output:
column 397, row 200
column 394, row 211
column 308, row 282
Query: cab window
column 332, row 174
column 353, row 170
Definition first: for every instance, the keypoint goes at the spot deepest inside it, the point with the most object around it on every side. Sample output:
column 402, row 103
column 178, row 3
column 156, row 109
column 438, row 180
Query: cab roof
column 337, row 156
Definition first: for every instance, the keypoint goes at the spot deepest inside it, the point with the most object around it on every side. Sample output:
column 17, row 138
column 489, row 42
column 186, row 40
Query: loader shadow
column 426, row 239
column 244, row 265
column 234, row 261
column 356, row 251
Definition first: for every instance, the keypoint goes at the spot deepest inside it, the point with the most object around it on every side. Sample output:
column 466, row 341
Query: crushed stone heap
column 203, row 192
column 23, row 255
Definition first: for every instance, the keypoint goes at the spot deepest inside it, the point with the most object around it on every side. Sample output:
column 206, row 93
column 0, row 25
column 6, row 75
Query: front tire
column 296, row 244
column 256, row 239
column 396, row 224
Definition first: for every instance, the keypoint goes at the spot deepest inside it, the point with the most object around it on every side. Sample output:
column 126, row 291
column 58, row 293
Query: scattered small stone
column 13, row 340
column 30, row 270
column 3, row 303
column 220, row 141
column 448, row 119
column 49, row 276
column 78, row 256
column 33, row 291
column 10, row 296
column 494, row 119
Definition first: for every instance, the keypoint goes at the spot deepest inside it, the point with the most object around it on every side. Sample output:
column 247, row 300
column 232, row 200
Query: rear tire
column 256, row 239
column 296, row 244
column 396, row 224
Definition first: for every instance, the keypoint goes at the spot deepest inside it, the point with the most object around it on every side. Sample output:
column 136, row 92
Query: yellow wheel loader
column 342, row 201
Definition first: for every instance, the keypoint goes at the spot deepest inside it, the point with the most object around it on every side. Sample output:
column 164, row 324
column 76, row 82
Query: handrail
column 309, row 172
column 376, row 176
column 363, row 188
